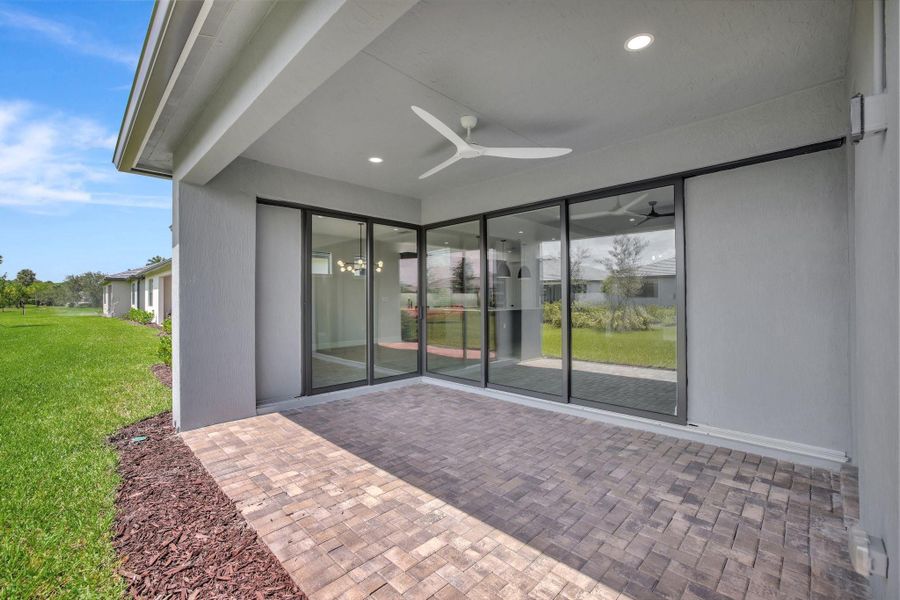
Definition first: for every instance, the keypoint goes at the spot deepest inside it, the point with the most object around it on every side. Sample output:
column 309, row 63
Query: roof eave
column 163, row 44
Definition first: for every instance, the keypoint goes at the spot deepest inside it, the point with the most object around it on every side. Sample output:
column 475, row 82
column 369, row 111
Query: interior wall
column 388, row 297
column 339, row 317
column 278, row 360
column 768, row 279
column 875, row 228
column 813, row 115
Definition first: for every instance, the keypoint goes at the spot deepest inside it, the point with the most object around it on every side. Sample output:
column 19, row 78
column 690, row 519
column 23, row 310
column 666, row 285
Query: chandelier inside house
column 357, row 266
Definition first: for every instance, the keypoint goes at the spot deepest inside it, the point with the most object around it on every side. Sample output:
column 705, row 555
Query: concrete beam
column 297, row 48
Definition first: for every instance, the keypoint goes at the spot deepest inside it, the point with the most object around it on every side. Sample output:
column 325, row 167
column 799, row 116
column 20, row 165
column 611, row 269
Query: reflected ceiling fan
column 466, row 149
column 653, row 214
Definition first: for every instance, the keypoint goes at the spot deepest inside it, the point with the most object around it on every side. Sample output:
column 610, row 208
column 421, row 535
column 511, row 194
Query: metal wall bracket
column 868, row 115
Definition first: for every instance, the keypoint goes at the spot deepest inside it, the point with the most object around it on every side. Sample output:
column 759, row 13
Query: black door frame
column 307, row 213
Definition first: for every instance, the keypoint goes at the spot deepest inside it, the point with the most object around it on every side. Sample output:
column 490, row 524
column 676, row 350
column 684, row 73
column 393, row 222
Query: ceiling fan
column 653, row 214
column 466, row 149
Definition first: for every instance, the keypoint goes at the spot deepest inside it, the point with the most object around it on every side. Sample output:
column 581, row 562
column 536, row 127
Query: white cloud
column 65, row 35
column 50, row 162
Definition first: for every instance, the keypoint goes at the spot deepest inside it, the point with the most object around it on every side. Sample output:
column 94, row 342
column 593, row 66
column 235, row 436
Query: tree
column 26, row 277
column 578, row 256
column 13, row 294
column 461, row 276
column 154, row 260
column 87, row 287
column 623, row 264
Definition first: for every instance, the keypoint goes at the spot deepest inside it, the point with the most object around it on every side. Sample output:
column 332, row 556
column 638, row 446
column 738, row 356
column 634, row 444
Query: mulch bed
column 177, row 534
column 163, row 373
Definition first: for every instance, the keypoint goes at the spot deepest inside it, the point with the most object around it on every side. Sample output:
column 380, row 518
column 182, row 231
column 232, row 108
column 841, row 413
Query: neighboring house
column 156, row 291
column 119, row 292
column 659, row 283
column 295, row 163
column 146, row 288
column 660, row 287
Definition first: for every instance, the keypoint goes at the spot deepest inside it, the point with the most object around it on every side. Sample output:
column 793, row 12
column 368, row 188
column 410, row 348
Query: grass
column 446, row 331
column 650, row 348
column 68, row 379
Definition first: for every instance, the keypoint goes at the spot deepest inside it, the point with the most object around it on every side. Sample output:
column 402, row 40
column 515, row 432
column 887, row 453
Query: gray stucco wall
column 278, row 359
column 214, row 325
column 119, row 299
column 875, row 229
column 768, row 278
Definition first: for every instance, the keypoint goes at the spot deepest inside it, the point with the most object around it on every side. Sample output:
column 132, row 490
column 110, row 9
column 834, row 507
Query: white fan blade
column 526, row 152
column 438, row 125
column 443, row 165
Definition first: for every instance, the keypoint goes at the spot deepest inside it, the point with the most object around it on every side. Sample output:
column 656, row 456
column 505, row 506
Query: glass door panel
column 453, row 316
column 338, row 324
column 524, row 316
column 622, row 274
column 396, row 295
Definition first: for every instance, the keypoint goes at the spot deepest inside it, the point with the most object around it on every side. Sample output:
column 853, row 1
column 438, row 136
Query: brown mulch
column 163, row 373
column 177, row 534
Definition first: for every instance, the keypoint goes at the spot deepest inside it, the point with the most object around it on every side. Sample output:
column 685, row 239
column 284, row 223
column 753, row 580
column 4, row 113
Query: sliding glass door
column 524, row 308
column 623, row 277
column 338, row 298
column 395, row 295
column 576, row 300
column 453, row 318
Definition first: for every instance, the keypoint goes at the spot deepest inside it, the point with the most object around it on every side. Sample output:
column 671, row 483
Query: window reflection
column 523, row 301
column 622, row 268
column 453, row 318
column 396, row 308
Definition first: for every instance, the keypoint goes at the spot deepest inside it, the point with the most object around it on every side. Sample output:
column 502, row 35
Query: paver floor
column 425, row 491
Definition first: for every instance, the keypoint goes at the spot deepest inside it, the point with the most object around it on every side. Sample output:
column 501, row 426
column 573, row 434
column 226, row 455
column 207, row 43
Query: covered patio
column 427, row 491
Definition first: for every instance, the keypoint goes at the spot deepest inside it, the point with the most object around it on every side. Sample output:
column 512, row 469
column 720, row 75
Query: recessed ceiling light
column 376, row 159
column 638, row 42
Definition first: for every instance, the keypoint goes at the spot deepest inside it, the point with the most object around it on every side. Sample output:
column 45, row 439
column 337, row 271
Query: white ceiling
column 551, row 73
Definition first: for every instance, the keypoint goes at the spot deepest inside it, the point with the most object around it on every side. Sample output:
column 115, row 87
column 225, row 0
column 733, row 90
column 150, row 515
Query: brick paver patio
column 425, row 491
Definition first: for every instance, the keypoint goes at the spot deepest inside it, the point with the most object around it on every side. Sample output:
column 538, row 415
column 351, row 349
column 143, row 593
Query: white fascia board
column 170, row 26
column 160, row 105
column 297, row 48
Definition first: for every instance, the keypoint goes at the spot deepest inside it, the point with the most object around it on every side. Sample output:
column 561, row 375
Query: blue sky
column 66, row 69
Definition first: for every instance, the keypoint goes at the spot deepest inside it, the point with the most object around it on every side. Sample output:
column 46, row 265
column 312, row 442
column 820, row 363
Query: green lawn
column 446, row 331
column 68, row 379
column 650, row 348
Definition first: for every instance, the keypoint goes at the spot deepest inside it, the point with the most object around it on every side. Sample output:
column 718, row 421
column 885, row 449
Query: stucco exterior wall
column 119, row 301
column 768, row 279
column 278, row 322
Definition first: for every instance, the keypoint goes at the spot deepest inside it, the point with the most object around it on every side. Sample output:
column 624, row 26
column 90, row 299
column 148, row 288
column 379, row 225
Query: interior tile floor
column 425, row 491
